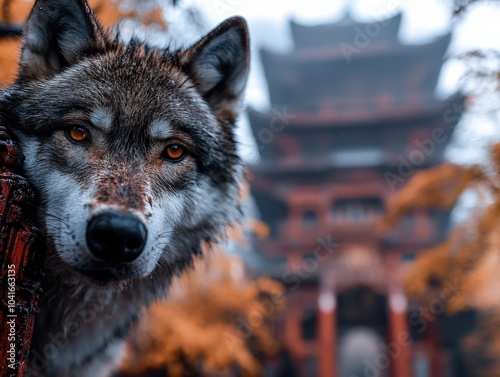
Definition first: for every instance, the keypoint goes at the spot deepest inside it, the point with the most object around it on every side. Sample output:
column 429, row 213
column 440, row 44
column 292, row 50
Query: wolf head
column 130, row 148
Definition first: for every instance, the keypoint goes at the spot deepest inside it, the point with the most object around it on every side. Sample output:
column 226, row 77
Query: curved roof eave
column 302, row 33
column 334, row 53
column 446, row 109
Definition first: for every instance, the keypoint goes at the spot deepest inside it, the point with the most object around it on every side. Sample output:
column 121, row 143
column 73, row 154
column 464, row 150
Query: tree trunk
column 21, row 260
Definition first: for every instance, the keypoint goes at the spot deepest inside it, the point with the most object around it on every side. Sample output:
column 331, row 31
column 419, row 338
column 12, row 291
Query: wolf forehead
column 122, row 88
column 103, row 118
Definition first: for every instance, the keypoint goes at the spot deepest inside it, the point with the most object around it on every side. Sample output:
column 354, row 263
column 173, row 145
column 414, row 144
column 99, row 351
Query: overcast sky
column 423, row 21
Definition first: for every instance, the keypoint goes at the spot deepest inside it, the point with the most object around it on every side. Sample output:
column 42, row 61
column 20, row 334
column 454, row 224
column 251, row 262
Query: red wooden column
column 436, row 353
column 327, row 334
column 21, row 262
column 399, row 346
column 292, row 333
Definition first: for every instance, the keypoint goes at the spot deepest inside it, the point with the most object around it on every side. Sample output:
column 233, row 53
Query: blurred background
column 371, row 240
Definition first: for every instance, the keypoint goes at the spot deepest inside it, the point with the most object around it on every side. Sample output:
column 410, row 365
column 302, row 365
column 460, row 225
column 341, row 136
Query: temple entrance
column 362, row 324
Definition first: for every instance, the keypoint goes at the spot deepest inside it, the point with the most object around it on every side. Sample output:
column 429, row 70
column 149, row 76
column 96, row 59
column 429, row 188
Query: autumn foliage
column 213, row 321
column 453, row 264
column 109, row 12
column 461, row 273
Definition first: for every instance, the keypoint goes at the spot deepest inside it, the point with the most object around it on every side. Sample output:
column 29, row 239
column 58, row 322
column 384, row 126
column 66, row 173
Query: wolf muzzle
column 116, row 237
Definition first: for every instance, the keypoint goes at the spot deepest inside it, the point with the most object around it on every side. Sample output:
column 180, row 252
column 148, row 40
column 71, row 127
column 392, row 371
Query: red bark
column 21, row 258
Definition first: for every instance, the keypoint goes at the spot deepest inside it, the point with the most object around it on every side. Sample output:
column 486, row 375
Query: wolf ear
column 218, row 65
column 57, row 34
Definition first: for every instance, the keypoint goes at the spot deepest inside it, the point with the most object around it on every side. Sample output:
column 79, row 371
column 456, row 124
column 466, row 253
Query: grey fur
column 131, row 97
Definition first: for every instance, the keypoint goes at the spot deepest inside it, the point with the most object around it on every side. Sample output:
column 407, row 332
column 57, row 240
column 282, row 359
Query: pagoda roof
column 315, row 74
column 336, row 55
column 346, row 30
column 364, row 113
column 324, row 169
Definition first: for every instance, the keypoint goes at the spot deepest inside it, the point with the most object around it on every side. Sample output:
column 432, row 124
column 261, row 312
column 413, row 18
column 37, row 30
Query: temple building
column 353, row 115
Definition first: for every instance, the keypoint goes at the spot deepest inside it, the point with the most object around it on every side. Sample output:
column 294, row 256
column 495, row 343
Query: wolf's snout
column 116, row 237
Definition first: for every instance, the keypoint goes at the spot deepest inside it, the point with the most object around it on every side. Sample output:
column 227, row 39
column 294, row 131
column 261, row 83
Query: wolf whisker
column 47, row 213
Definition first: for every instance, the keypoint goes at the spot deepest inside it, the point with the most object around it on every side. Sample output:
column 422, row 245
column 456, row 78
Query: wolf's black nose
column 115, row 237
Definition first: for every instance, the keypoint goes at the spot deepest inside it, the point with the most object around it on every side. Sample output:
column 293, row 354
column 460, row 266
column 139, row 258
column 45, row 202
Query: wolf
column 132, row 154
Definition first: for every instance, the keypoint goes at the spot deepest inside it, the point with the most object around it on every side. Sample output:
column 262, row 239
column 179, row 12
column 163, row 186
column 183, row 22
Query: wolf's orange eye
column 174, row 152
column 78, row 134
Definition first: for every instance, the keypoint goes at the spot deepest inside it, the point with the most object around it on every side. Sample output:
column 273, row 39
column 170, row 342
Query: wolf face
column 132, row 154
column 130, row 148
